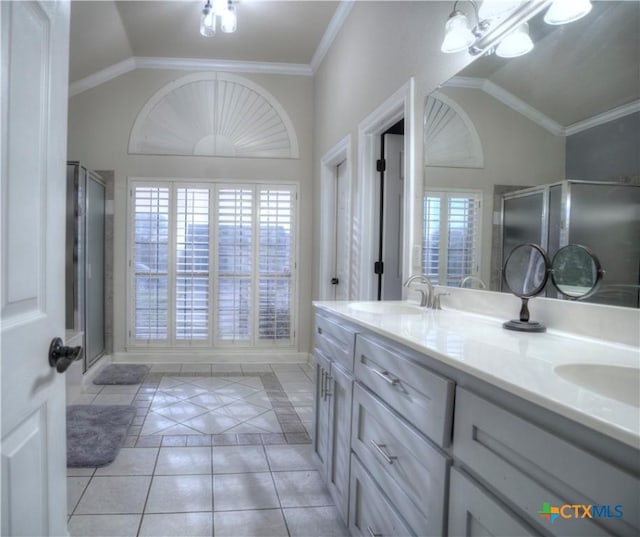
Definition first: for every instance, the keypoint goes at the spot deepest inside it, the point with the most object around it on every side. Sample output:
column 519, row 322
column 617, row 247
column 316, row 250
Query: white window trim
column 209, row 344
column 478, row 195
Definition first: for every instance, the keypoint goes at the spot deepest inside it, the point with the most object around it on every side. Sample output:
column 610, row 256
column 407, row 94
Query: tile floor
column 214, row 450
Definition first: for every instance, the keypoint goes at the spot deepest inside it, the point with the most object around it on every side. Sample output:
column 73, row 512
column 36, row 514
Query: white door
column 35, row 55
column 393, row 201
column 340, row 279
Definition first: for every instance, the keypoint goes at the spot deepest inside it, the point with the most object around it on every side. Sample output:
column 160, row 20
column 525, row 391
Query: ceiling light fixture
column 210, row 13
column 501, row 25
column 566, row 11
column 517, row 43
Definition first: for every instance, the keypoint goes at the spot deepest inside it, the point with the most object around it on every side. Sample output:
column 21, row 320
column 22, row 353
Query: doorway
column 336, row 223
column 367, row 216
column 390, row 166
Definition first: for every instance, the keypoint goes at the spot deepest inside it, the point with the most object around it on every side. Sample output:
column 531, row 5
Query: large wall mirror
column 543, row 148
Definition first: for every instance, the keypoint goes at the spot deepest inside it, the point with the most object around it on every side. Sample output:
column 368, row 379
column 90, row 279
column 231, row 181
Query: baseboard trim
column 164, row 357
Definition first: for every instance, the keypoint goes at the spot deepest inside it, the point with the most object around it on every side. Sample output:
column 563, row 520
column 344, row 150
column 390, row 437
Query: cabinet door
column 371, row 514
column 473, row 512
column 339, row 397
column 321, row 411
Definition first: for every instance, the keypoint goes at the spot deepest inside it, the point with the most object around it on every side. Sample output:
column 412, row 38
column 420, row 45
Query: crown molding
column 517, row 104
column 230, row 66
column 186, row 64
column 508, row 99
column 102, row 76
column 333, row 28
column 605, row 117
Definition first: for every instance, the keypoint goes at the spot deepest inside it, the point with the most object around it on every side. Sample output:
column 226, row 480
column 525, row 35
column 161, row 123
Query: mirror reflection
column 526, row 270
column 540, row 149
column 575, row 271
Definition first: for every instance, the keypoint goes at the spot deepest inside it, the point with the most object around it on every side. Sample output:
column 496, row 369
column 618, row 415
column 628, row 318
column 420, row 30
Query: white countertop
column 519, row 363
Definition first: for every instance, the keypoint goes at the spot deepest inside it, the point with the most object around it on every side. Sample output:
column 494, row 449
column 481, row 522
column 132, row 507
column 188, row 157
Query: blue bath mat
column 121, row 374
column 95, row 433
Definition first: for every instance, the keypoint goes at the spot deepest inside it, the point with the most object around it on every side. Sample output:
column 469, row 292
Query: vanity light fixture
column 501, row 25
column 210, row 13
column 517, row 43
column 566, row 11
column 458, row 35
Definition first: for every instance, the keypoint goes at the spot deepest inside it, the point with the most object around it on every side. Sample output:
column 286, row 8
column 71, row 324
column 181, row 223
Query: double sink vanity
column 440, row 422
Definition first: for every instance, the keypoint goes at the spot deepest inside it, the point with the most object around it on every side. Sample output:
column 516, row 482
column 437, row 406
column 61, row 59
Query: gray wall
column 607, row 152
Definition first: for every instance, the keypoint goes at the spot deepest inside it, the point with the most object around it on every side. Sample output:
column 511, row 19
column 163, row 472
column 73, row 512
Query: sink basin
column 616, row 382
column 386, row 308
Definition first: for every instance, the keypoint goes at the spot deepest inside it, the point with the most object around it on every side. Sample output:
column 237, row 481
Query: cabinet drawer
column 424, row 398
column 335, row 340
column 410, row 470
column 474, row 512
column 370, row 513
column 528, row 466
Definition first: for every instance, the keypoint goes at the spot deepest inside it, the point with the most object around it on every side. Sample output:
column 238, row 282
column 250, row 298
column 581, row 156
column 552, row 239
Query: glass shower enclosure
column 85, row 259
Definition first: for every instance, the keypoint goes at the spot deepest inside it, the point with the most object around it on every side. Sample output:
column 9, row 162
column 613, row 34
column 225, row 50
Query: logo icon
column 549, row 512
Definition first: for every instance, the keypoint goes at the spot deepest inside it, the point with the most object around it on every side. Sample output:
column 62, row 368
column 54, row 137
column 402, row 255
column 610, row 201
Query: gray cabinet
column 333, row 354
column 525, row 466
column 320, row 439
column 402, row 413
column 423, row 397
column 474, row 513
column 488, row 468
column 371, row 513
column 406, row 466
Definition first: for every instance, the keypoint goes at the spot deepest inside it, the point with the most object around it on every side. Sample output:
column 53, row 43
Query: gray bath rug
column 121, row 374
column 95, row 433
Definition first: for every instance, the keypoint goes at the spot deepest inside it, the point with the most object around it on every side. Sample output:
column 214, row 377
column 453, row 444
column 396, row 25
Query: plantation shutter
column 235, row 245
column 151, row 262
column 451, row 236
column 276, row 259
column 192, row 264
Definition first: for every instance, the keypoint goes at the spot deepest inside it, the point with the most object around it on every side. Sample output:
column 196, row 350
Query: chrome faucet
column 425, row 297
column 471, row 280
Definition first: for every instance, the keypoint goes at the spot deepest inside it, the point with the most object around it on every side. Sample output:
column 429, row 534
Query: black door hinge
column 381, row 165
column 378, row 267
column 335, row 281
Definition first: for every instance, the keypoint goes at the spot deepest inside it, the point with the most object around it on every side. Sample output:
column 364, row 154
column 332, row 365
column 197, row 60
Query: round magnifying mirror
column 576, row 271
column 525, row 273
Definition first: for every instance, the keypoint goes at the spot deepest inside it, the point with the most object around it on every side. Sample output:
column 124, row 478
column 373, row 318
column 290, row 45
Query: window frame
column 212, row 342
column 446, row 194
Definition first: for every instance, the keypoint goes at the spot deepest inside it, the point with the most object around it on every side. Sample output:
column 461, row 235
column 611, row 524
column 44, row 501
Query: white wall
column 100, row 121
column 380, row 47
column 516, row 151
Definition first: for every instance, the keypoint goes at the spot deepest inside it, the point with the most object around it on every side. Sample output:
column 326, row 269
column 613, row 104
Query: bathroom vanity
column 442, row 423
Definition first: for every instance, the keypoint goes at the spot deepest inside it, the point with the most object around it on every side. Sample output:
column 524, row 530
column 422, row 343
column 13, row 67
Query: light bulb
column 566, row 11
column 457, row 35
column 228, row 20
column 219, row 6
column 497, row 9
column 207, row 21
column 516, row 43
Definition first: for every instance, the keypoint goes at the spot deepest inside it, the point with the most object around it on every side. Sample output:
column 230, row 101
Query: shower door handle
column 62, row 357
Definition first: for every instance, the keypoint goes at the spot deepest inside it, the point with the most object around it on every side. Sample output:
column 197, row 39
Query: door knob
column 62, row 357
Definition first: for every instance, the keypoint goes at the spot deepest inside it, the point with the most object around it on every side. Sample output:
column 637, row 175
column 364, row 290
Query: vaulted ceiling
column 105, row 33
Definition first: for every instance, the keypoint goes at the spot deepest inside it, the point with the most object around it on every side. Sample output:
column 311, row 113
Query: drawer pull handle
column 373, row 533
column 388, row 458
column 386, row 376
